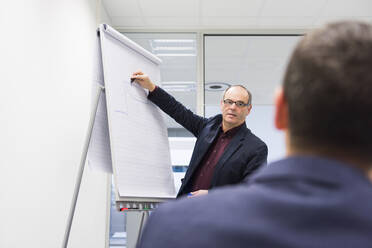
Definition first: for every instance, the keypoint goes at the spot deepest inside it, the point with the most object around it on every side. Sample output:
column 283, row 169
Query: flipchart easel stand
column 142, row 208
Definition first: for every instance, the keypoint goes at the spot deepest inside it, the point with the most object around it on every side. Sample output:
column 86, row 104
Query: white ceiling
column 256, row 62
column 232, row 14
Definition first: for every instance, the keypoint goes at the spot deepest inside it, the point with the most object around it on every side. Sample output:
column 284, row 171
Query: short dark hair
column 241, row 86
column 328, row 87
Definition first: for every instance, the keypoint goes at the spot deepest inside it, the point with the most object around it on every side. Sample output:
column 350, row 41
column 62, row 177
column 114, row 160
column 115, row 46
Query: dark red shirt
column 202, row 177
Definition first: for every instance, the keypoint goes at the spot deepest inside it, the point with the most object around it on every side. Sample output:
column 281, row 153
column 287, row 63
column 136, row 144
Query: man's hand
column 197, row 193
column 143, row 80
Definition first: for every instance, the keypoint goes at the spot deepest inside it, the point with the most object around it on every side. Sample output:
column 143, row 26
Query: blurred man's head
column 235, row 106
column 326, row 102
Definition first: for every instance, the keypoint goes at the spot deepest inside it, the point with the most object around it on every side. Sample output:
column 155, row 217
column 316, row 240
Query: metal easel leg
column 135, row 221
column 100, row 89
column 145, row 215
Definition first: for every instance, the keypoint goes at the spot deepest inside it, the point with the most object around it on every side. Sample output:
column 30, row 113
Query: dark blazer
column 245, row 153
column 304, row 202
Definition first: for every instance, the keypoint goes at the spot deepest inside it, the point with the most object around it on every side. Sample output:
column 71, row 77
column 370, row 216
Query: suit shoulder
column 253, row 139
column 205, row 210
column 213, row 121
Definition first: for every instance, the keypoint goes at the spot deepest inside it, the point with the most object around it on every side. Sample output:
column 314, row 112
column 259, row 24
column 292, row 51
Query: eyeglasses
column 239, row 104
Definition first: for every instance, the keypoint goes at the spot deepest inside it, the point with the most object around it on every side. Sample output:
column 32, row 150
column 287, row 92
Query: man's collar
column 231, row 131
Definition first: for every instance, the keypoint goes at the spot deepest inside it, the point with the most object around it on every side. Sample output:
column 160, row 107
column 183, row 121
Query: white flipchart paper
column 129, row 134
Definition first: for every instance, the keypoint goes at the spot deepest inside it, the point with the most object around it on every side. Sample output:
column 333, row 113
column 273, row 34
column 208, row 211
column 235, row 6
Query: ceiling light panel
column 178, row 86
column 173, row 47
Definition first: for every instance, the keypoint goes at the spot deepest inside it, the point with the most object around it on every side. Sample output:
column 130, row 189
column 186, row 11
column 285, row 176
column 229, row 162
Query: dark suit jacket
column 245, row 153
column 297, row 202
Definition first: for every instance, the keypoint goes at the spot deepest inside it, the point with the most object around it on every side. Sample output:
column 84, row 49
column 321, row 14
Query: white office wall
column 46, row 55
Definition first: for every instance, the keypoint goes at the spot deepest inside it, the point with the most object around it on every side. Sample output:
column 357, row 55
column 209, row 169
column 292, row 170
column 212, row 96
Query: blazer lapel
column 232, row 147
column 204, row 146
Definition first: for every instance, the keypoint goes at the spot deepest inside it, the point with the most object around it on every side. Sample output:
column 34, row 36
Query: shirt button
column 214, row 151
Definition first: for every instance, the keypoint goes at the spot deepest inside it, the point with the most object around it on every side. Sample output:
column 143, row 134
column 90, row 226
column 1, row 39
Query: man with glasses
column 226, row 151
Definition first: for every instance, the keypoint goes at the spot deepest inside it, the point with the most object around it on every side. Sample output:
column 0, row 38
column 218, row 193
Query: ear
column 249, row 109
column 281, row 110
